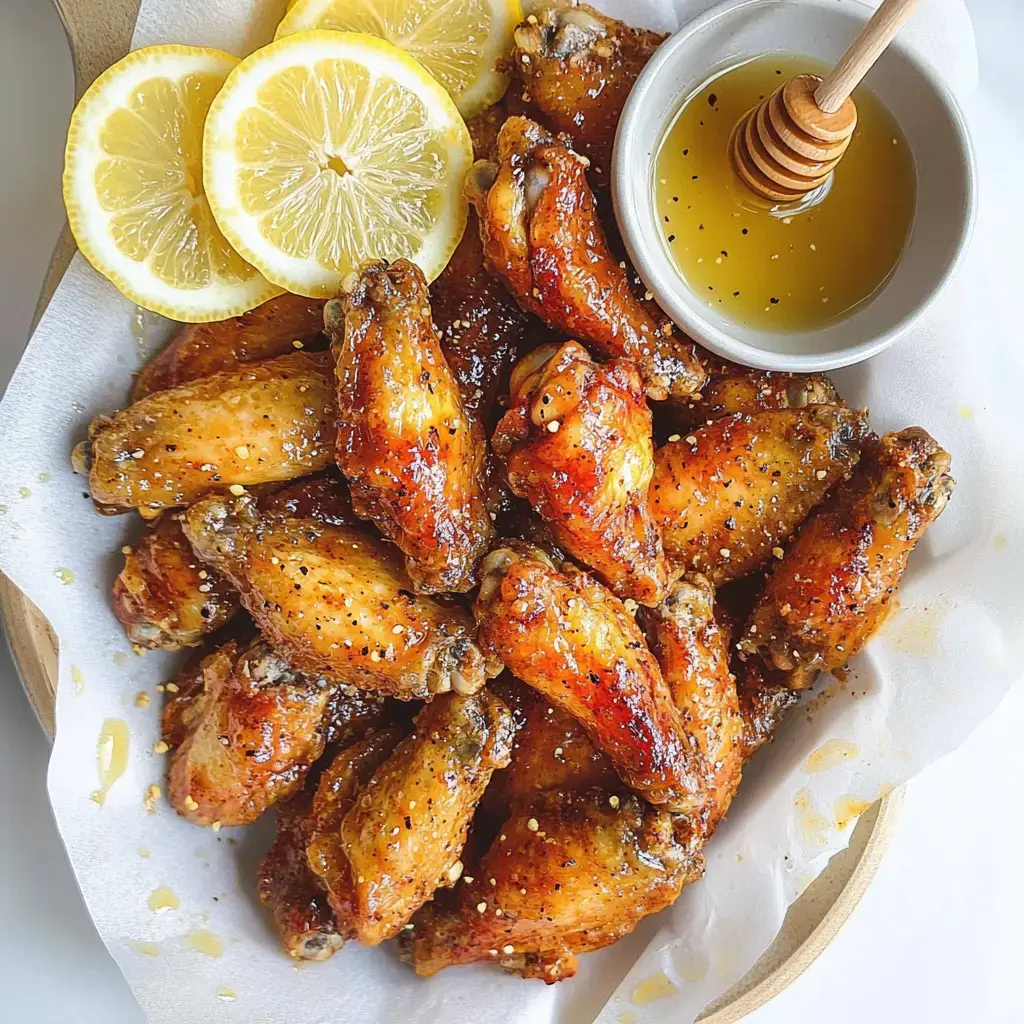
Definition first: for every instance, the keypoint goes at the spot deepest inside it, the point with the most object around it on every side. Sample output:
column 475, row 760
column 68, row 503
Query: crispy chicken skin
column 165, row 596
column 729, row 494
column 248, row 733
column 693, row 652
column 542, row 237
column 401, row 836
column 733, row 389
column 294, row 896
column 337, row 601
column 571, row 639
column 323, row 497
column 577, row 444
column 414, row 458
column 578, row 67
column 572, row 872
column 199, row 350
column 482, row 327
column 765, row 695
column 834, row 586
column 263, row 422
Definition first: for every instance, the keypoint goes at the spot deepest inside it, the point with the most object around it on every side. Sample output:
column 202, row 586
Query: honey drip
column 111, row 756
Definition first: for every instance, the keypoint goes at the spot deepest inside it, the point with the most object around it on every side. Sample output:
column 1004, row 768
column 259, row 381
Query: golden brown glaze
column 542, row 237
column 337, row 601
column 165, row 596
column 693, row 652
column 765, row 695
column 295, row 897
column 834, row 586
column 248, row 733
column 199, row 350
column 414, row 458
column 323, row 497
column 577, row 445
column 265, row 422
column 571, row 872
column 482, row 327
column 571, row 639
column 384, row 849
column 731, row 493
column 731, row 389
column 578, row 66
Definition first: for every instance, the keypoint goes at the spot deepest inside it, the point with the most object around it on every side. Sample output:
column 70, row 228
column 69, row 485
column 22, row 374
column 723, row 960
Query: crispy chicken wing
column 732, row 389
column 730, row 494
column 249, row 732
column 414, row 458
column 834, row 586
column 337, row 601
column 199, row 350
column 577, row 444
column 263, row 422
column 568, row 637
column 482, row 327
column 385, row 848
column 165, row 596
column 693, row 652
column 578, row 67
column 572, row 872
column 542, row 238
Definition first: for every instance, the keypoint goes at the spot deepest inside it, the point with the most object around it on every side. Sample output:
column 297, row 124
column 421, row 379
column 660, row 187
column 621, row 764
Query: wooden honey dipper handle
column 862, row 53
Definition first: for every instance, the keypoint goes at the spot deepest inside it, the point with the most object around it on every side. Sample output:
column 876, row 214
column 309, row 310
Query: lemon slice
column 325, row 149
column 458, row 41
column 133, row 186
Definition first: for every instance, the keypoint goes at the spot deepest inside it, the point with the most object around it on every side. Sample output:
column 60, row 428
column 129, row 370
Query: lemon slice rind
column 89, row 222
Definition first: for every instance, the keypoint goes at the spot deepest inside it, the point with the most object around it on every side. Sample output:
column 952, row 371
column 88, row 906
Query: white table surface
column 938, row 938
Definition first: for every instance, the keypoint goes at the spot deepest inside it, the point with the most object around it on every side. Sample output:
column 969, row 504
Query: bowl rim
column 674, row 296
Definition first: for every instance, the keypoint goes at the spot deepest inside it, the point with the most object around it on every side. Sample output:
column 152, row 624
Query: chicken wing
column 729, row 495
column 572, row 872
column 263, row 422
column 542, row 237
column 765, row 695
column 482, row 327
column 834, row 586
column 323, row 497
column 577, row 444
column 165, row 596
column 385, row 848
column 338, row 602
column 414, row 458
column 569, row 638
column 199, row 350
column 249, row 732
column 578, row 67
column 693, row 652
column 734, row 389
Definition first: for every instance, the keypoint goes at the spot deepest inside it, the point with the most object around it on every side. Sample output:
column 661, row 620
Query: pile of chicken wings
column 497, row 583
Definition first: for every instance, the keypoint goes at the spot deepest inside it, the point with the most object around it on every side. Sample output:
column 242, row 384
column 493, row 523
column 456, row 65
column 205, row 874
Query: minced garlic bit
column 149, row 800
column 724, row 552
column 553, row 427
column 821, row 474
column 142, row 699
column 533, row 824
column 160, row 747
column 613, row 801
column 675, row 437
column 171, row 687
column 508, row 950
column 242, row 451
column 297, row 344
column 455, row 871
column 481, row 907
column 778, row 552
column 237, row 490
column 189, row 803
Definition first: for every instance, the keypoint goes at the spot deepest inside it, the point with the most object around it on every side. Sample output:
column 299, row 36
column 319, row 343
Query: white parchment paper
column 942, row 663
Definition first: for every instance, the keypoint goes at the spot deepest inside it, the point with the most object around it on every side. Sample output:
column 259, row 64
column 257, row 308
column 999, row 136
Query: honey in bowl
column 781, row 267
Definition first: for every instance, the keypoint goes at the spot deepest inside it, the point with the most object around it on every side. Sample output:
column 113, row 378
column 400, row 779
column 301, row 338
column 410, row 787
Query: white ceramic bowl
column 922, row 105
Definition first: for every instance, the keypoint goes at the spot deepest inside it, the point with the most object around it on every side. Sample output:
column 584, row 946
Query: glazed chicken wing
column 384, row 849
column 414, row 458
column 571, row 872
column 733, row 389
column 577, row 444
column 249, row 730
column 730, row 494
column 542, row 238
column 264, row 422
column 482, row 327
column 323, row 497
column 568, row 637
column 578, row 67
column 338, row 602
column 165, row 596
column 199, row 350
column 834, row 586
column 693, row 652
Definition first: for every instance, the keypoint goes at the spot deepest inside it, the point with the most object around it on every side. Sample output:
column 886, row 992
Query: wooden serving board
column 99, row 33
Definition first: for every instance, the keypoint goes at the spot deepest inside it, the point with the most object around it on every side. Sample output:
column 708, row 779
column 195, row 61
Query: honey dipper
column 789, row 143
